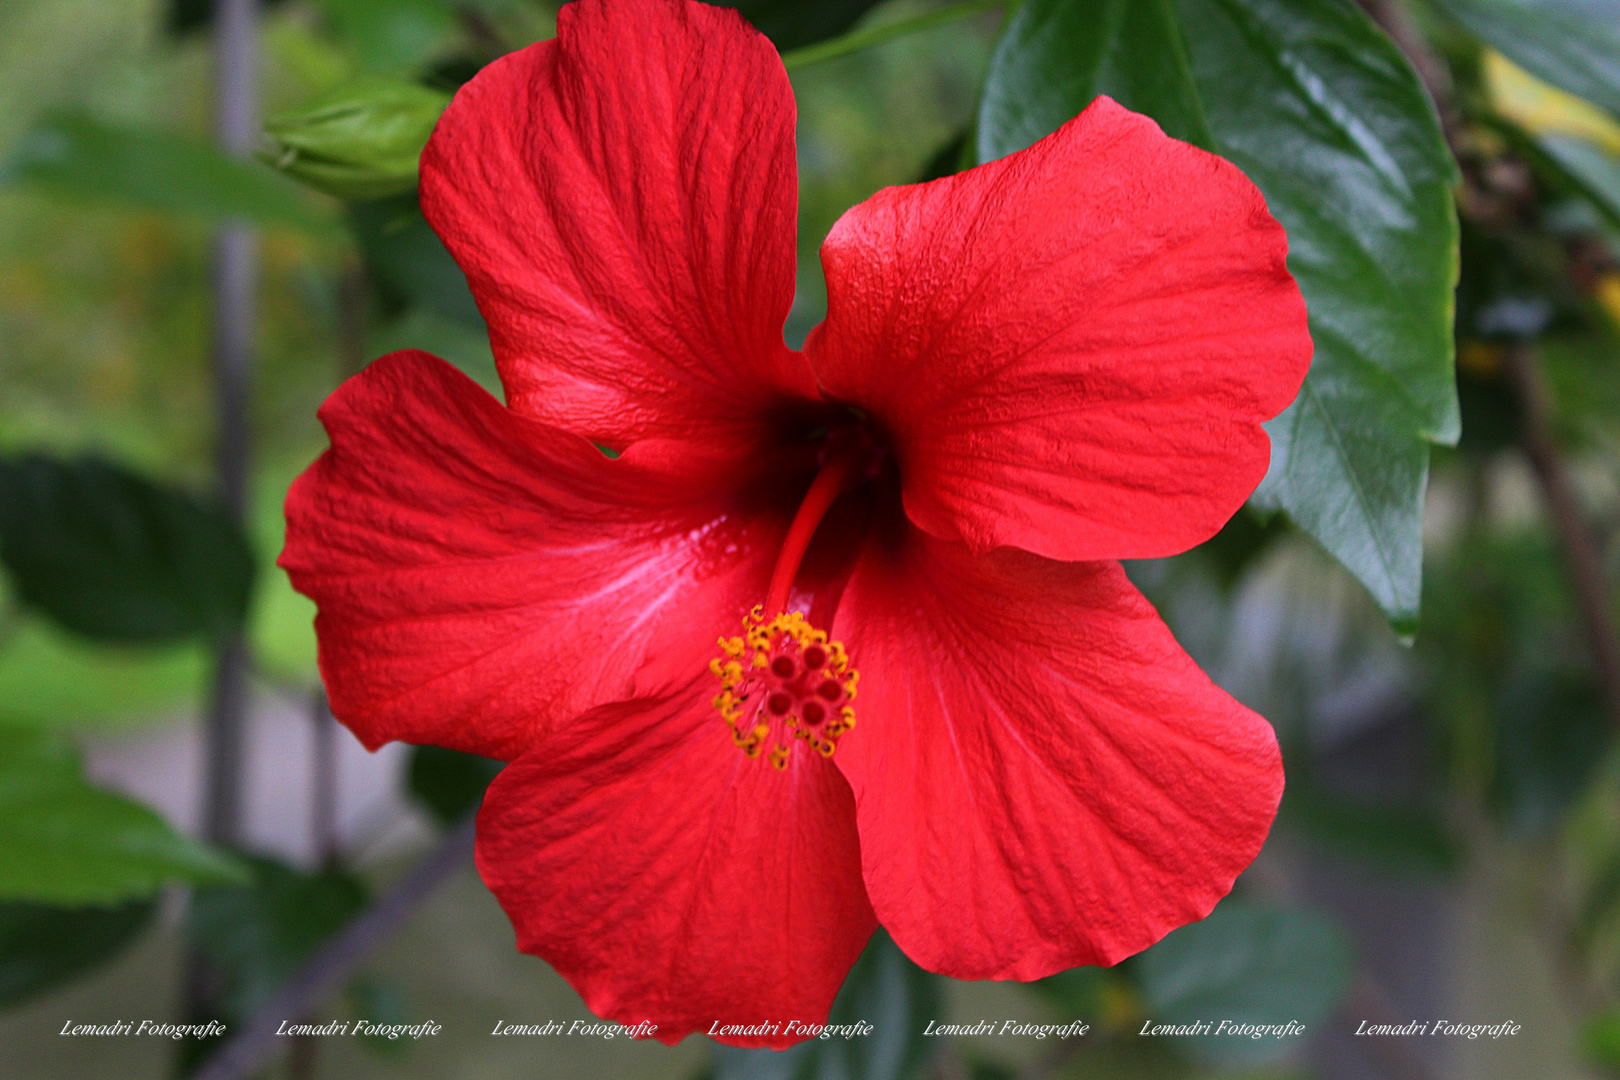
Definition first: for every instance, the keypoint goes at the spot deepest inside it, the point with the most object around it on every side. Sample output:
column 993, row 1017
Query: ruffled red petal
column 479, row 574
column 623, row 200
column 670, row 879
column 1073, row 347
column 1043, row 777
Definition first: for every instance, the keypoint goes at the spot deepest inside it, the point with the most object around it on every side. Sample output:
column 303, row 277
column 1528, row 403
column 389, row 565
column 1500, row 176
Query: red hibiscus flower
column 1049, row 361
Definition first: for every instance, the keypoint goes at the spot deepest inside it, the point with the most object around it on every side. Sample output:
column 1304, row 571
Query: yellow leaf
column 1545, row 110
column 1608, row 295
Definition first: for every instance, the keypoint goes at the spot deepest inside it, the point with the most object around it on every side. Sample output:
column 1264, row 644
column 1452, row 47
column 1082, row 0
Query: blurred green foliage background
column 1450, row 842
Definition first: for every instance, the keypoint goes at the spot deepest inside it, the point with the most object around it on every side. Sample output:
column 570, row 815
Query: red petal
column 480, row 574
column 671, row 879
column 623, row 200
column 1044, row 779
column 1072, row 347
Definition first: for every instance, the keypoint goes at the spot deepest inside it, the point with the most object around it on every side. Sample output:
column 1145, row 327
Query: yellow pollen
column 794, row 685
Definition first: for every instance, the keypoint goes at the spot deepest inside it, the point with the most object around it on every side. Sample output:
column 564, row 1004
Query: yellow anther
column 766, row 685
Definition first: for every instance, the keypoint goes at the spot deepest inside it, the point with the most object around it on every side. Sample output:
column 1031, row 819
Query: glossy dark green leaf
column 65, row 841
column 42, row 946
column 1573, row 44
column 258, row 934
column 151, row 168
column 1319, row 108
column 116, row 557
column 405, row 257
column 1250, row 964
column 793, row 24
column 1056, row 55
column 450, row 783
column 887, row 992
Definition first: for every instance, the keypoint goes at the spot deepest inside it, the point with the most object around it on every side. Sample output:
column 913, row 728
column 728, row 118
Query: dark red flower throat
column 783, row 679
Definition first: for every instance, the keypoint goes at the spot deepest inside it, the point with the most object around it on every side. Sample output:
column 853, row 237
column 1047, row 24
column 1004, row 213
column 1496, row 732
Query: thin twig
column 1575, row 540
column 246, row 1052
column 323, row 781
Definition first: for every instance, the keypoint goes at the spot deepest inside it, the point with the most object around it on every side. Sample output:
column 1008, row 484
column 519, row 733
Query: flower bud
column 362, row 141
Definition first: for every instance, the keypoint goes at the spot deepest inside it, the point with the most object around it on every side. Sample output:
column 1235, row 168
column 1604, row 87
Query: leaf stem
column 865, row 38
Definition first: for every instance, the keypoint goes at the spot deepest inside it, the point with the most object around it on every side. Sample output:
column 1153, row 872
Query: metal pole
column 234, row 284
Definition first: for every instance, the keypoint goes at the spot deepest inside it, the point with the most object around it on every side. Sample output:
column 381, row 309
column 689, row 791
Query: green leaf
column 65, row 841
column 793, row 24
column 450, row 783
column 1250, row 964
column 42, row 946
column 153, row 169
column 1322, row 112
column 1552, row 734
column 381, row 1003
column 362, row 141
column 1591, row 170
column 116, row 557
column 55, row 680
column 1556, row 131
column 407, row 259
column 1573, row 44
column 392, row 35
column 1602, row 893
column 1347, row 470
column 1390, row 835
column 259, row 933
column 885, row 991
column 453, row 340
column 1080, row 991
column 1601, row 1040
column 185, row 16
column 1056, row 55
